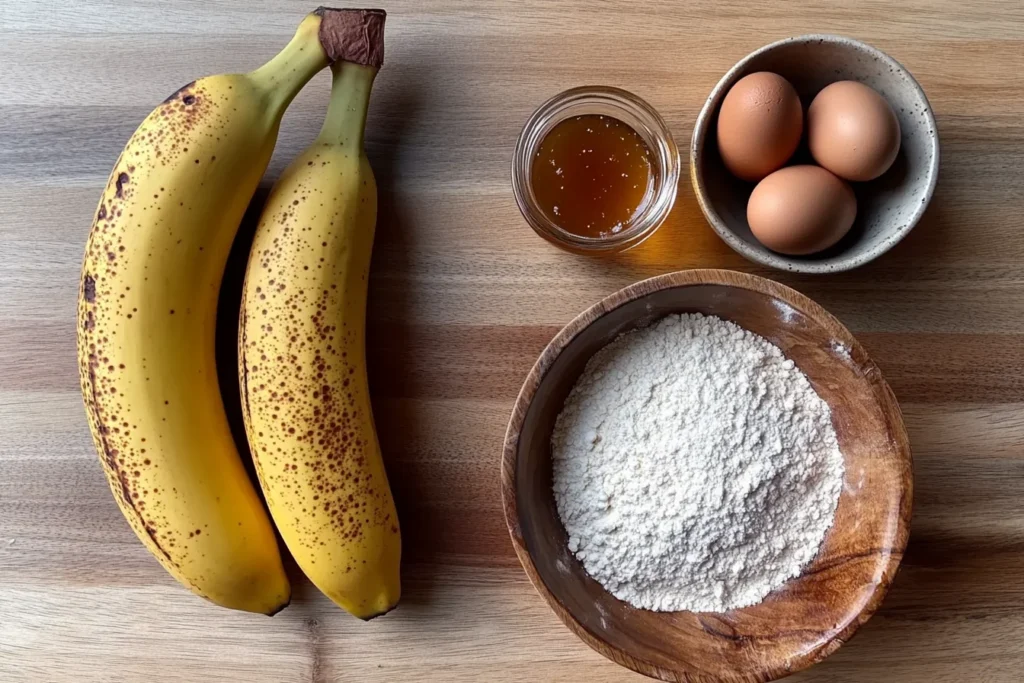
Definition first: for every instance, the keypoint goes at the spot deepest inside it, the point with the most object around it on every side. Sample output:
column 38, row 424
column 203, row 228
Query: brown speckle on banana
column 302, row 364
column 147, row 307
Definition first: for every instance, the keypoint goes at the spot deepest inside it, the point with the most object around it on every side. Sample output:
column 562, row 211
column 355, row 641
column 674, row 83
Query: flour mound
column 694, row 467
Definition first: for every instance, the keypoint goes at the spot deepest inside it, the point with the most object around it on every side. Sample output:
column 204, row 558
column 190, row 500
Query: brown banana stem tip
column 353, row 35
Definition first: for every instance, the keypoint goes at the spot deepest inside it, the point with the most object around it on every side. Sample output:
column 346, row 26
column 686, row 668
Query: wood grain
column 809, row 617
column 464, row 296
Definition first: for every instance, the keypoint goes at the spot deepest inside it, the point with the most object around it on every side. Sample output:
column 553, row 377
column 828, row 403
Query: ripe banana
column 302, row 351
column 146, row 320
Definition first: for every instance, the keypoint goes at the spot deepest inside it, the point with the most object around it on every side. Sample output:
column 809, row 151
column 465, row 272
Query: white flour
column 694, row 467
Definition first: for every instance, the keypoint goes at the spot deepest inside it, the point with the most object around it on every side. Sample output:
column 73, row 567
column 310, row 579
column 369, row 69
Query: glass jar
column 635, row 113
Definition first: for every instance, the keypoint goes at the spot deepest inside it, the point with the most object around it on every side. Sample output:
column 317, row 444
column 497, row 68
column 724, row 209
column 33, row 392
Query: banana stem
column 283, row 76
column 350, row 100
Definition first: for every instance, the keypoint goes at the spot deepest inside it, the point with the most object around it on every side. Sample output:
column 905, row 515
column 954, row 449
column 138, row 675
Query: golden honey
column 591, row 175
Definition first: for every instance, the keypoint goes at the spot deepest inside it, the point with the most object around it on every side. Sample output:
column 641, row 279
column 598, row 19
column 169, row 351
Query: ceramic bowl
column 887, row 207
column 808, row 617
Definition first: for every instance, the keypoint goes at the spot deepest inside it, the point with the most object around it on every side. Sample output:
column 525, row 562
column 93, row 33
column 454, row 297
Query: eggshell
column 759, row 125
column 852, row 131
column 801, row 210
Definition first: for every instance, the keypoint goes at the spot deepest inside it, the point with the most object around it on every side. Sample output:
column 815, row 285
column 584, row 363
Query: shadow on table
column 228, row 305
column 390, row 339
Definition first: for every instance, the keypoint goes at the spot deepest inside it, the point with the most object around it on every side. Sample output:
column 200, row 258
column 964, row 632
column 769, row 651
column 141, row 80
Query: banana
column 146, row 317
column 302, row 351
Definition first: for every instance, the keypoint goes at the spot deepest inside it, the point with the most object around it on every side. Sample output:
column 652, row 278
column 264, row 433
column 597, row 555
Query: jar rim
column 634, row 112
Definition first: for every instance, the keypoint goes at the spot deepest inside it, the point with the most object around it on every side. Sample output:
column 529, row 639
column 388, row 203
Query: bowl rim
column 781, row 261
column 688, row 278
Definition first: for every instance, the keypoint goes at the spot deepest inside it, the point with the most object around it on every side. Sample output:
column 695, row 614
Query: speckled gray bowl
column 887, row 208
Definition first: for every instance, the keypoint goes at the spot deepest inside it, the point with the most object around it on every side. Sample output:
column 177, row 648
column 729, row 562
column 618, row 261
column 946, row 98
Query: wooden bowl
column 810, row 616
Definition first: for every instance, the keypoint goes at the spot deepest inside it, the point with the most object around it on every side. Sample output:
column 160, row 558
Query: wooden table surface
column 463, row 298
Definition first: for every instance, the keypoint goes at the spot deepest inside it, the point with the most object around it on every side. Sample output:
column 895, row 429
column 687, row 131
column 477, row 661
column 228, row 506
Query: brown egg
column 759, row 125
column 852, row 131
column 801, row 210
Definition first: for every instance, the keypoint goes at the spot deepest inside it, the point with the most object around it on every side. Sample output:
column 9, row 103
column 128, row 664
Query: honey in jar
column 591, row 174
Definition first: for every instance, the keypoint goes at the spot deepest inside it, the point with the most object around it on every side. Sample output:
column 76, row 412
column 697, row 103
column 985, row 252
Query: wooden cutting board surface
column 464, row 297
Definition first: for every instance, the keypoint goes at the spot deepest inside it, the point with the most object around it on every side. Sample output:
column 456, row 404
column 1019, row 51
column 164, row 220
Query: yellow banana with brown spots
column 302, row 351
column 146, row 323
